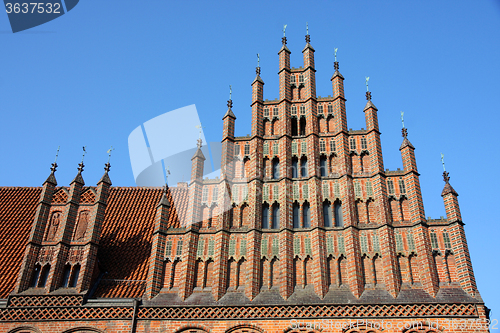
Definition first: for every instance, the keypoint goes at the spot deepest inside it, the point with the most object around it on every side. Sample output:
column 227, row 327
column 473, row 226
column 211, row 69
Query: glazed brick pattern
column 209, row 255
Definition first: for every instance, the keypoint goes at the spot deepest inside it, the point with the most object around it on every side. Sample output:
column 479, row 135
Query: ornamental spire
column 308, row 37
column 368, row 93
column 283, row 40
column 336, row 63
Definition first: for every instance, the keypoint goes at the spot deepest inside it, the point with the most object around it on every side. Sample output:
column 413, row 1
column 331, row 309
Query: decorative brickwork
column 303, row 223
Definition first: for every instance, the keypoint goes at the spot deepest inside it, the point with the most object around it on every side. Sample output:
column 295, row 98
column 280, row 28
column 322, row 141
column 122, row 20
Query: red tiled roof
column 17, row 211
column 125, row 239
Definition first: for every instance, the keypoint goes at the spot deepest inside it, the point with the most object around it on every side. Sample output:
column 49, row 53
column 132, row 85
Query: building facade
column 304, row 231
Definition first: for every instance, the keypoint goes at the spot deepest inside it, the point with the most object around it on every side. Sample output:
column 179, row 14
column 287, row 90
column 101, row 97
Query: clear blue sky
column 93, row 75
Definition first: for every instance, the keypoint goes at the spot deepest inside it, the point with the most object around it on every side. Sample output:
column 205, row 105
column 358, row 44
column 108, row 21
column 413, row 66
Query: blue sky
column 93, row 75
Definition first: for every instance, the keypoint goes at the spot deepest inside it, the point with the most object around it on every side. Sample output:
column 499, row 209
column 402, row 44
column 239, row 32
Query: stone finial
column 368, row 96
column 446, row 177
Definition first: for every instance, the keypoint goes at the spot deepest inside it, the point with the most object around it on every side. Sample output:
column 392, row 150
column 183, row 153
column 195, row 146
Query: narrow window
column 276, row 168
column 363, row 143
column 215, row 193
column 320, row 108
column 275, row 112
column 294, row 110
column 411, row 241
column 232, row 247
column 276, row 149
column 303, row 166
column 338, row 214
column 301, row 78
column 74, row 276
column 322, row 146
column 302, row 126
column 353, row 143
column 292, row 78
column 296, row 222
column 294, row 148
column 66, row 273
column 305, row 191
column 364, row 244
column 333, row 148
column 204, row 196
column 302, row 110
column 295, row 162
column 330, row 109
column 369, row 189
column 399, row 242
column 294, row 127
column 306, row 215
column 390, row 186
column 211, row 246
column 247, row 149
column 276, row 217
column 265, row 216
column 322, row 166
column 446, row 238
column 168, row 248
column 36, row 276
column 266, row 149
column 357, row 190
column 199, row 250
column 303, row 147
column 265, row 193
column 44, row 275
column 434, row 240
column 266, row 112
column 179, row 247
column 402, row 187
column 327, row 217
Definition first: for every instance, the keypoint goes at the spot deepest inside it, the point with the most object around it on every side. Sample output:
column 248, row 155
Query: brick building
column 304, row 231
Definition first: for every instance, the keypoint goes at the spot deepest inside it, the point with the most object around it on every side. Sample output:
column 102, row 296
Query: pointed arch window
column 66, row 274
column 276, row 217
column 265, row 216
column 327, row 214
column 337, row 207
column 302, row 125
column 322, row 166
column 295, row 166
column 296, row 221
column 306, row 215
column 44, row 275
column 303, row 166
column 75, row 272
column 276, row 168
column 36, row 276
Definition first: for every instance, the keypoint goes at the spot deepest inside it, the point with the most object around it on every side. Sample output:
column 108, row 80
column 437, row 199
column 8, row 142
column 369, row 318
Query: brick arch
column 23, row 329
column 300, row 330
column 85, row 329
column 245, row 328
column 192, row 328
